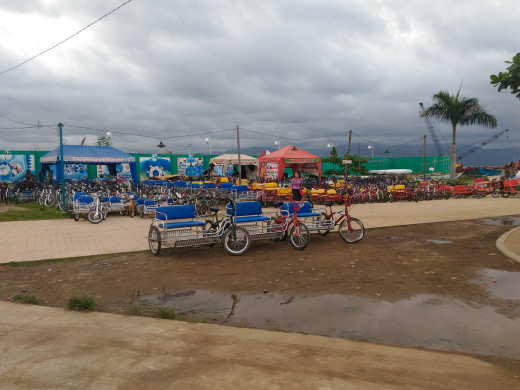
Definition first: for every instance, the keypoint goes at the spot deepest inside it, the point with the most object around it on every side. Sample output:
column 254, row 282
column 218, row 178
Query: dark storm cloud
column 291, row 70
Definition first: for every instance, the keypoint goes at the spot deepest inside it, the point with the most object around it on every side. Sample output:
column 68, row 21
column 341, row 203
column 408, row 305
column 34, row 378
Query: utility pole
column 346, row 154
column 239, row 165
column 359, row 160
column 424, row 158
column 62, row 168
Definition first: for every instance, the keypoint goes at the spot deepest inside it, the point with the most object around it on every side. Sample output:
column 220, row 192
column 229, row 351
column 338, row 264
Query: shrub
column 81, row 303
column 137, row 310
column 27, row 299
column 165, row 313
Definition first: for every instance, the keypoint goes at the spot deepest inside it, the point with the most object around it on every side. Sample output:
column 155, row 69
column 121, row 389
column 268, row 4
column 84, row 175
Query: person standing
column 296, row 186
column 513, row 170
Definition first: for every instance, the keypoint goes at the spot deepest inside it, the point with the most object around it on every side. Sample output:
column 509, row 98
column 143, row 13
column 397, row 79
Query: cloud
column 279, row 69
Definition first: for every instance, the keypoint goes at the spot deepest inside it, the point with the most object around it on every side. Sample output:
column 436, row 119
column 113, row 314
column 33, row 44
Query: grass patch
column 165, row 313
column 137, row 310
column 26, row 299
column 81, row 303
column 32, row 212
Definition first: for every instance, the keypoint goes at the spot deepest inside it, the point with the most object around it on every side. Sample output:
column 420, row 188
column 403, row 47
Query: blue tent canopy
column 98, row 155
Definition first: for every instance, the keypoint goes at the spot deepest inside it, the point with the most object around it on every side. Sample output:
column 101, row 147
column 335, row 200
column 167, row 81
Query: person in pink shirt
column 296, row 185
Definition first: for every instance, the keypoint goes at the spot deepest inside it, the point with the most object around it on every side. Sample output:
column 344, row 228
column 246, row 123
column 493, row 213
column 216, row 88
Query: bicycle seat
column 213, row 209
column 277, row 204
column 328, row 203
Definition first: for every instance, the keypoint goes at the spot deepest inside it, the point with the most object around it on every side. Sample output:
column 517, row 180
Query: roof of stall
column 233, row 159
column 88, row 155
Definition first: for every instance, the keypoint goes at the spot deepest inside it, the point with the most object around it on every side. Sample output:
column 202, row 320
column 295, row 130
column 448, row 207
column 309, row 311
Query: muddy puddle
column 501, row 221
column 439, row 241
column 501, row 284
column 432, row 322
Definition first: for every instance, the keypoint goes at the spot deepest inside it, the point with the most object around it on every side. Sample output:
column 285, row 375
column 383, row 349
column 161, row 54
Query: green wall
column 439, row 163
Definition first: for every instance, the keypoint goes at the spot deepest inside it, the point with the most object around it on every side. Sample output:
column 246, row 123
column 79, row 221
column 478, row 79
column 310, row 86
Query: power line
column 148, row 136
column 65, row 40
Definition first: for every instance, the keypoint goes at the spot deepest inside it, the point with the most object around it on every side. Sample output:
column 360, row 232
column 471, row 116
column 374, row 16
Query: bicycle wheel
column 300, row 236
column 324, row 218
column 209, row 228
column 238, row 246
column 95, row 216
column 50, row 200
column 154, row 240
column 354, row 234
column 76, row 217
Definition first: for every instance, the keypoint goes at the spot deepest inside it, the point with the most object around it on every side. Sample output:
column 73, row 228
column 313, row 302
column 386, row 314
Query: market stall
column 273, row 164
column 96, row 155
column 223, row 163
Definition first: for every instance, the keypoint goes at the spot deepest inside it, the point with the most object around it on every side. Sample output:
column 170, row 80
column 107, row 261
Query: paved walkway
column 50, row 348
column 54, row 239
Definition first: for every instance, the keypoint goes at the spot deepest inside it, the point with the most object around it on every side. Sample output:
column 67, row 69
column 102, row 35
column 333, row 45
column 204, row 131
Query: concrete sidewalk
column 49, row 348
column 54, row 239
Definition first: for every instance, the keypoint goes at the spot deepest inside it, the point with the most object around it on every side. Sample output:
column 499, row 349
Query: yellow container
column 331, row 192
column 224, row 180
column 399, row 187
column 321, row 191
column 270, row 185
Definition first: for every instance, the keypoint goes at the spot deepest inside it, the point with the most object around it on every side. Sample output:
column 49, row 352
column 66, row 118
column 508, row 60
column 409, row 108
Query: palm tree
column 458, row 110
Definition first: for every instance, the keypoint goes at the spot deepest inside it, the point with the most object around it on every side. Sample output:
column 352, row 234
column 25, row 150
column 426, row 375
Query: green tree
column 357, row 164
column 509, row 79
column 354, row 167
column 458, row 110
column 103, row 140
column 334, row 159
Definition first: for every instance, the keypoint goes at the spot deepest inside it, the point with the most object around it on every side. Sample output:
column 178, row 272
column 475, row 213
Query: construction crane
column 432, row 133
column 482, row 144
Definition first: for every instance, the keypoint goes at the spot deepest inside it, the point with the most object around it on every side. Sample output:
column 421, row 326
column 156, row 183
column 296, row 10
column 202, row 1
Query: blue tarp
column 98, row 155
column 88, row 155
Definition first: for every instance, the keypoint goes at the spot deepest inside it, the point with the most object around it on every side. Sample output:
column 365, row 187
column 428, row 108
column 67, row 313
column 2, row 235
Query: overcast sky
column 181, row 71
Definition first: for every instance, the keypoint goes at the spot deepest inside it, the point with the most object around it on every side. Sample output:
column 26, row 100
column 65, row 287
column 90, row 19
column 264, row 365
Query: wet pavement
column 428, row 321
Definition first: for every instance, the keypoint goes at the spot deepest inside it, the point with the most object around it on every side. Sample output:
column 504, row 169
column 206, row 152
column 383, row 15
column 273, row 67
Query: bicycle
column 165, row 231
column 98, row 211
column 350, row 229
column 288, row 224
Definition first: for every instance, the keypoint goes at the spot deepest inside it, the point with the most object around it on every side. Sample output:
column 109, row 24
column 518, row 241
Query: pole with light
column 208, row 141
column 109, row 138
column 330, row 145
column 62, row 168
column 371, row 147
column 277, row 143
column 189, row 150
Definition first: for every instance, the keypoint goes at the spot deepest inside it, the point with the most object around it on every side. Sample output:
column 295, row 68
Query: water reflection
column 420, row 321
column 501, row 284
column 501, row 221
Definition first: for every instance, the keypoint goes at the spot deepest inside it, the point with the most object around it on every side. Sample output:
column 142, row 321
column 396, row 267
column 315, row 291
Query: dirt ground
column 389, row 263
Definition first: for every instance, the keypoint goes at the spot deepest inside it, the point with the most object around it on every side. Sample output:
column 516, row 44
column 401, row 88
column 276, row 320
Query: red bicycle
column 288, row 224
column 350, row 229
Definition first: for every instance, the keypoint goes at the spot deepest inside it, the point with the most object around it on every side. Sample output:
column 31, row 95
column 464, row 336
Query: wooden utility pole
column 239, row 165
column 346, row 154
